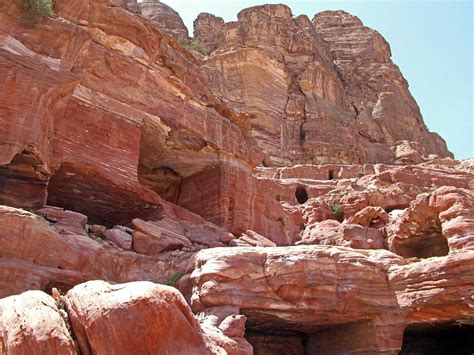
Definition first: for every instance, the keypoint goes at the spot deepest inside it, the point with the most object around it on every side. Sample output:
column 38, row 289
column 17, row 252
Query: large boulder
column 32, row 323
column 138, row 317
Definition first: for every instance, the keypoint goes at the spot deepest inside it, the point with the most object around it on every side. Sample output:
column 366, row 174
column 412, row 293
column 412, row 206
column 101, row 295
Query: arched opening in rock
column 301, row 194
column 331, row 175
column 426, row 243
column 447, row 338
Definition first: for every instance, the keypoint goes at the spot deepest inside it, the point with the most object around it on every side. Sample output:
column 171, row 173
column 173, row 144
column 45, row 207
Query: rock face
column 99, row 313
column 283, row 181
column 302, row 289
column 305, row 82
column 164, row 17
column 83, row 136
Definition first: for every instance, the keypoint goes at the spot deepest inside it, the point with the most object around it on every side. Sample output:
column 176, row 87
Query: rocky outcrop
column 128, row 157
column 36, row 255
column 305, row 82
column 302, row 290
column 435, row 224
column 95, row 317
column 93, row 117
column 163, row 17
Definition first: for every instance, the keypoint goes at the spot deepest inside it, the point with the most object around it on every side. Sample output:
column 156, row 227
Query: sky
column 431, row 42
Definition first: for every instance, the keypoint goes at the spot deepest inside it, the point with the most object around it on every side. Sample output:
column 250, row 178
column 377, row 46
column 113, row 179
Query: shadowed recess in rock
column 83, row 190
column 447, row 338
column 301, row 194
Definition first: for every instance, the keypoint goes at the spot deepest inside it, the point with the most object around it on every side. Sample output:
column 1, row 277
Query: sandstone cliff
column 129, row 163
column 320, row 91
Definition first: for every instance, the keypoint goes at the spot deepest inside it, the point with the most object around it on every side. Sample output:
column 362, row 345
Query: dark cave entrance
column 345, row 338
column 441, row 339
column 331, row 175
column 301, row 194
column 426, row 243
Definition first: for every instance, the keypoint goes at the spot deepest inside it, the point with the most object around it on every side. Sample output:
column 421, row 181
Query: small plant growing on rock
column 193, row 45
column 198, row 47
column 337, row 211
column 173, row 279
column 34, row 11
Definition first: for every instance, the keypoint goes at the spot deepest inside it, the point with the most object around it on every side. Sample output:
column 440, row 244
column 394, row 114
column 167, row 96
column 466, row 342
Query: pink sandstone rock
column 32, row 324
column 120, row 238
column 150, row 239
column 434, row 224
column 233, row 326
column 162, row 321
column 304, row 82
column 298, row 288
column 33, row 255
column 331, row 232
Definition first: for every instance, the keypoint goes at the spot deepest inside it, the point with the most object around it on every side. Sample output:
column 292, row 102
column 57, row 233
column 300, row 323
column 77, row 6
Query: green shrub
column 35, row 10
column 173, row 279
column 183, row 42
column 337, row 210
column 198, row 47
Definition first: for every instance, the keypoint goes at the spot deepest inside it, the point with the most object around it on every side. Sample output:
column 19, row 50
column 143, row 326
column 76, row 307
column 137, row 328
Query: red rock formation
column 305, row 83
column 164, row 17
column 31, row 323
column 33, row 255
column 162, row 322
column 434, row 224
column 150, row 153
column 302, row 289
column 102, row 115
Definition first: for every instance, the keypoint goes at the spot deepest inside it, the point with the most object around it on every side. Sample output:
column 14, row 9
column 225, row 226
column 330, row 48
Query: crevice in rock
column 331, row 174
column 347, row 338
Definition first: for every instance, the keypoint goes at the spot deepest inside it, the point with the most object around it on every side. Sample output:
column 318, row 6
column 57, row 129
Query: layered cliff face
column 317, row 91
column 128, row 158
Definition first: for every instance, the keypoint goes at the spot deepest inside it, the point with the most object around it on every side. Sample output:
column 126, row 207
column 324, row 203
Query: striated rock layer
column 128, row 159
column 320, row 91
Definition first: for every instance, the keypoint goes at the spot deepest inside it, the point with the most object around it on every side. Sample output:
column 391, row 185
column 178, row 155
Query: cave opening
column 347, row 338
column 445, row 338
column 301, row 194
column 331, row 175
column 426, row 243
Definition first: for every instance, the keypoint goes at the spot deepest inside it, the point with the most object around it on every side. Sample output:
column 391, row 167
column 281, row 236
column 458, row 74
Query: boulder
column 150, row 239
column 120, row 238
column 31, row 323
column 138, row 317
column 331, row 232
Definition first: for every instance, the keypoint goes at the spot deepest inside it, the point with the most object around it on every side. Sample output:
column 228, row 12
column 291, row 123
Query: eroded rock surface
column 162, row 322
column 127, row 156
column 305, row 82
